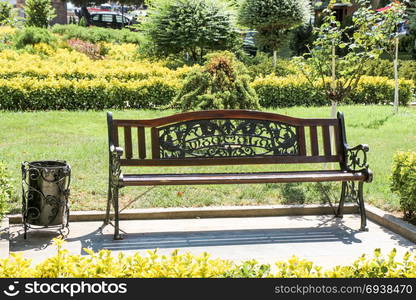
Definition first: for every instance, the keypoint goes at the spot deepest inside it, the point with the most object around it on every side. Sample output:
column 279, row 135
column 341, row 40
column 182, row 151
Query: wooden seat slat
column 239, row 178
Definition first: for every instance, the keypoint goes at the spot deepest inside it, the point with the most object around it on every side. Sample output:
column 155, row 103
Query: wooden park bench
column 233, row 137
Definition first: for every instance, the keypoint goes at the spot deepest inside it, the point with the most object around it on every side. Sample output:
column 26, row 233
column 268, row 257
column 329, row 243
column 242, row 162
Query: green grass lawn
column 81, row 139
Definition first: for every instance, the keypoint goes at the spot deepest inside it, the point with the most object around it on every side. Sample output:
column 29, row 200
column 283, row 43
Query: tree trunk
column 274, row 58
column 86, row 14
column 333, row 83
column 396, row 78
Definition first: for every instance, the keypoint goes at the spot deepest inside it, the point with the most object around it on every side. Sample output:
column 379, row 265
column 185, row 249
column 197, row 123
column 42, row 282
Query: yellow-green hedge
column 72, row 65
column 64, row 79
column 105, row 265
column 289, row 91
column 23, row 93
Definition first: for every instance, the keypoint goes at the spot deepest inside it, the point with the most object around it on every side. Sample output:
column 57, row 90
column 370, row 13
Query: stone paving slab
column 326, row 240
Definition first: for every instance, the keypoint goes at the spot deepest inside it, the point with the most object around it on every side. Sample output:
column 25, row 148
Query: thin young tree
column 335, row 74
column 39, row 13
column 390, row 21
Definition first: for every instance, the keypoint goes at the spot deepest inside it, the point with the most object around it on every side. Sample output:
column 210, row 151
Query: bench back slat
column 300, row 130
column 128, row 142
column 314, row 140
column 141, row 137
column 228, row 137
column 326, row 140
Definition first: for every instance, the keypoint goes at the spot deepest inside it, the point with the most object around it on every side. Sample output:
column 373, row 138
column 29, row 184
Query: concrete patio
column 326, row 240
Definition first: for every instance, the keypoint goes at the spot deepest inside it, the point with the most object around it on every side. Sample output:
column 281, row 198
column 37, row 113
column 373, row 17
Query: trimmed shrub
column 6, row 189
column 221, row 84
column 404, row 182
column 272, row 18
column 53, row 94
column 6, row 37
column 290, row 91
column 384, row 68
column 191, row 27
column 106, row 265
column 262, row 65
column 73, row 65
column 96, row 34
column 33, row 35
column 380, row 90
column 93, row 51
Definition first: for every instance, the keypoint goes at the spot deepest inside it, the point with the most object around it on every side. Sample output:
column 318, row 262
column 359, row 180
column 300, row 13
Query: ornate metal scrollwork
column 357, row 158
column 351, row 192
column 357, row 161
column 227, row 138
column 115, row 167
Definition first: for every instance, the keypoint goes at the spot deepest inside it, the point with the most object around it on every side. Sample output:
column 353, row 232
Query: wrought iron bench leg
column 349, row 191
column 109, row 201
column 117, row 235
column 362, row 207
column 340, row 211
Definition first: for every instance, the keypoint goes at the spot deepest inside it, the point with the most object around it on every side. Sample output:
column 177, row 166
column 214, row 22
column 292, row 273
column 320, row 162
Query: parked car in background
column 249, row 43
column 110, row 20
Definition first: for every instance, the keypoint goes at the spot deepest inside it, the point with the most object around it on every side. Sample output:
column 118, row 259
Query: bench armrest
column 115, row 168
column 356, row 160
column 117, row 151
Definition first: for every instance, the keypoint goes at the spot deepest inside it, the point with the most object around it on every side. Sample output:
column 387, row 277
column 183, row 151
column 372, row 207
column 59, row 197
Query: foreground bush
column 404, row 182
column 289, row 91
column 105, row 265
column 6, row 189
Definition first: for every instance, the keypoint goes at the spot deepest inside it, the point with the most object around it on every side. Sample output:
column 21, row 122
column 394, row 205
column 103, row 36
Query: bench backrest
column 227, row 137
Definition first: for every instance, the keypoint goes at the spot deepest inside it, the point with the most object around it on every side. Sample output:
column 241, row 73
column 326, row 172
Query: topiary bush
column 221, row 84
column 272, row 18
column 190, row 27
column 6, row 189
column 403, row 182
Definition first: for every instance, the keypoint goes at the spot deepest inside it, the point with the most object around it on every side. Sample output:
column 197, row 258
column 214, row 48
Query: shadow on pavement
column 332, row 230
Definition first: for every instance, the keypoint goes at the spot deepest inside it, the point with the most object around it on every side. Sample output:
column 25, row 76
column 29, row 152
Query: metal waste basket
column 45, row 193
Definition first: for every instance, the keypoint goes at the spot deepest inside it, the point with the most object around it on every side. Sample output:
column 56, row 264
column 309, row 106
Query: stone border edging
column 206, row 212
column 391, row 222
